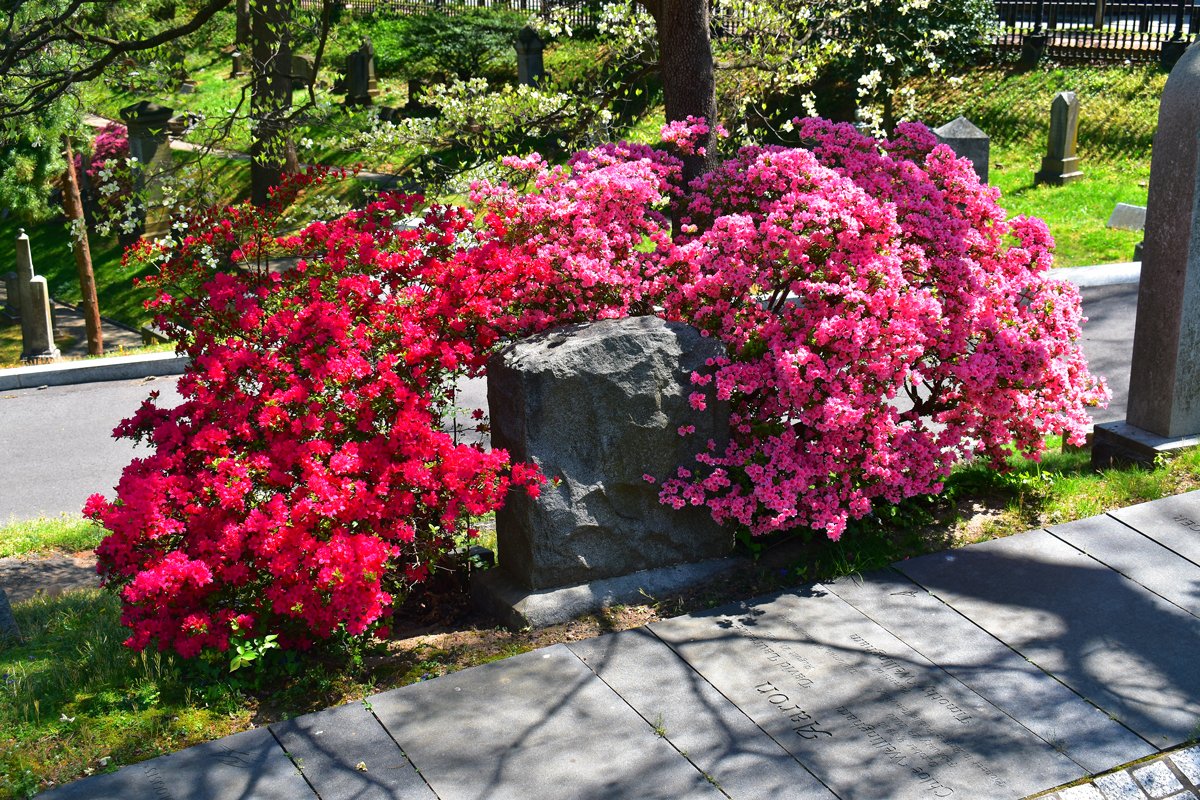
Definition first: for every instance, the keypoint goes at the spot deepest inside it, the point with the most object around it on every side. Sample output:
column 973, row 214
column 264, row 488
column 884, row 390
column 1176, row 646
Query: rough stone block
column 1126, row 217
column 597, row 407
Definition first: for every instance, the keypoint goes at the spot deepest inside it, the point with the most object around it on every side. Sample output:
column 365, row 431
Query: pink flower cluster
column 883, row 318
column 686, row 135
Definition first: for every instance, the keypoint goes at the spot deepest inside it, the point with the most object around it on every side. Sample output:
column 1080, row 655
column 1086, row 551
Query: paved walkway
column 1001, row 670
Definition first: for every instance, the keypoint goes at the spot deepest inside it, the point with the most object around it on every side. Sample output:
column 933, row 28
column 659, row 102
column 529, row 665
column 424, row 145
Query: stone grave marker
column 529, row 48
column 1084, row 733
column 149, row 143
column 696, row 719
column 1126, row 217
column 304, row 70
column 540, row 725
column 12, row 295
column 8, row 624
column 330, row 744
column 37, row 329
column 1163, row 413
column 237, row 64
column 1081, row 622
column 598, row 407
column 1139, row 557
column 867, row 715
column 1060, row 166
column 1173, row 522
column 246, row 765
column 361, row 88
column 967, row 141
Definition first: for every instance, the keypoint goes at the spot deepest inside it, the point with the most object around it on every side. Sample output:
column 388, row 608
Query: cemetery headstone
column 1061, row 165
column 1163, row 412
column 8, row 625
column 1033, row 48
column 237, row 68
column 967, row 141
column 361, row 88
column 598, row 407
column 12, row 296
column 529, row 48
column 37, row 330
column 1127, row 217
column 148, row 124
column 304, row 70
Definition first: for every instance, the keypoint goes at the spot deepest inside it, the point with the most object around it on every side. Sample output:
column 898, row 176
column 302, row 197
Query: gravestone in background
column 1126, row 217
column 304, row 71
column 1163, row 413
column 967, row 141
column 361, row 88
column 1060, row 165
column 529, row 47
column 8, row 625
column 149, row 143
column 37, row 330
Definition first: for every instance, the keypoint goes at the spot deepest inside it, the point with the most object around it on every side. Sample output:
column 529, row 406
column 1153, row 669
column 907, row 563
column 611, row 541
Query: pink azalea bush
column 108, row 172
column 882, row 320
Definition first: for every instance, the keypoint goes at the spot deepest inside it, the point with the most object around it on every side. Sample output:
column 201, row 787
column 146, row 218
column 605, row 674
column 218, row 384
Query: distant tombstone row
column 28, row 297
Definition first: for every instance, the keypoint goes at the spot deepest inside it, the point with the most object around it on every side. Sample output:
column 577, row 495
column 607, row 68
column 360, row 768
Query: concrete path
column 1000, row 670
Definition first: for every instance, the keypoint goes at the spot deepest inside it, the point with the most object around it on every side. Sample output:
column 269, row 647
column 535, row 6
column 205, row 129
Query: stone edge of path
column 102, row 369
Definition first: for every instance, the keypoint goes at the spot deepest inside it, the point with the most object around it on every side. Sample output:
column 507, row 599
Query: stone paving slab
column 1137, row 557
column 687, row 711
column 869, row 716
column 1106, row 637
column 245, row 765
column 1084, row 733
column 538, row 725
column 345, row 754
column 1173, row 522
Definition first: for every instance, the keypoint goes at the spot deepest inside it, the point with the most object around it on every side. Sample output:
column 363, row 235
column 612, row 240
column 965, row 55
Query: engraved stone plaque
column 869, row 716
column 538, row 725
column 331, row 745
column 1105, row 636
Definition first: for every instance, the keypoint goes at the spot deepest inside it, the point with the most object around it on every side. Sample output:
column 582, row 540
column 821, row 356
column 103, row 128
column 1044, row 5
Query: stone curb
column 118, row 368
column 1100, row 274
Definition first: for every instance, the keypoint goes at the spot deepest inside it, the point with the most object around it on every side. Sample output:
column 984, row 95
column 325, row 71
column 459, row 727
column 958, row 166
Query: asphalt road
column 58, row 449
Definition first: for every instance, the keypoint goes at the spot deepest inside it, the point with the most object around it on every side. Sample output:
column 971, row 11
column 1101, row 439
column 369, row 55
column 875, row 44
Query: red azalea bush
column 881, row 316
column 305, row 477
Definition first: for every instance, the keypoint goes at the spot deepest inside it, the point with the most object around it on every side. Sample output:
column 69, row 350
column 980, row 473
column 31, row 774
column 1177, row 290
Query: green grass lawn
column 1117, row 118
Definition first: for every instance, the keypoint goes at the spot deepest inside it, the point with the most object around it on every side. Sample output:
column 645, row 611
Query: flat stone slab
column 866, row 714
column 1173, row 522
column 329, row 746
column 245, row 765
column 538, row 725
column 692, row 715
column 1138, row 557
column 1127, row 217
column 1084, row 733
column 1108, row 638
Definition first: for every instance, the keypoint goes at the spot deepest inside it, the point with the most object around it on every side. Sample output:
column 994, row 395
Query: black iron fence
column 1097, row 30
column 1076, row 30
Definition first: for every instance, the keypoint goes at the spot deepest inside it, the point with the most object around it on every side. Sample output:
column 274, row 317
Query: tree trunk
column 242, row 34
column 83, row 257
column 686, row 62
column 271, row 93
